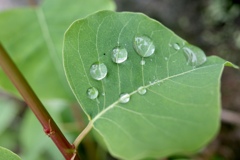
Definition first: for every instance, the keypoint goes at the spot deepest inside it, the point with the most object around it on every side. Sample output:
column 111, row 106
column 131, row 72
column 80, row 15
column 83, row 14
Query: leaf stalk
column 80, row 137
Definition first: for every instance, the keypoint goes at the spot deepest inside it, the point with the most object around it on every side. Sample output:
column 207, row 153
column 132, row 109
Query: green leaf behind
column 33, row 37
column 178, row 114
column 8, row 111
column 6, row 154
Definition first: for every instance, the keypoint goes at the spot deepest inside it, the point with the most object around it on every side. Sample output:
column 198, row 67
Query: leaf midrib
column 147, row 86
column 50, row 46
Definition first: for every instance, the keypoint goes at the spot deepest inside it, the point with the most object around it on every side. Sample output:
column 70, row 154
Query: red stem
column 49, row 126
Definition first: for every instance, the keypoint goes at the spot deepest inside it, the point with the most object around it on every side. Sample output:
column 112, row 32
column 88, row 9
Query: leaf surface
column 178, row 114
column 9, row 110
column 33, row 37
column 6, row 154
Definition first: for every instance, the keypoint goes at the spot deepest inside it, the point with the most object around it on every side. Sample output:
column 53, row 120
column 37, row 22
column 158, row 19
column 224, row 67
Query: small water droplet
column 142, row 90
column 166, row 58
column 92, row 93
column 170, row 45
column 176, row 46
column 150, row 82
column 119, row 54
column 194, row 55
column 144, row 46
column 142, row 62
column 124, row 98
column 98, row 71
column 103, row 93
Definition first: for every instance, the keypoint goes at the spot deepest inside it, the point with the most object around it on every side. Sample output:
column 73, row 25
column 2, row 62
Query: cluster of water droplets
column 144, row 47
column 125, row 97
column 194, row 55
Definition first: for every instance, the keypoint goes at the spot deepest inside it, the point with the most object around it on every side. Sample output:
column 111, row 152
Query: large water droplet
column 142, row 62
column 144, row 46
column 124, row 98
column 92, row 93
column 119, row 55
column 194, row 55
column 190, row 56
column 98, row 71
column 142, row 90
column 176, row 46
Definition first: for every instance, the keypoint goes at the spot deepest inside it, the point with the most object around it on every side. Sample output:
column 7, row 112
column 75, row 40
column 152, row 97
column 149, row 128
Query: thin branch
column 49, row 126
column 231, row 117
column 33, row 3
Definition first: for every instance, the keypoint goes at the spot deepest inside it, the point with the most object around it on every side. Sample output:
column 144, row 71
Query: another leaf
column 34, row 36
column 8, row 111
column 6, row 154
column 176, row 110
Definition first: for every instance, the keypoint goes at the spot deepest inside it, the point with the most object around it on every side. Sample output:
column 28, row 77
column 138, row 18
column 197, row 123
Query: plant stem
column 49, row 126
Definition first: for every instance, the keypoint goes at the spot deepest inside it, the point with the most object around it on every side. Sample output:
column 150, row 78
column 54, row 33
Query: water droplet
column 124, row 98
column 98, row 71
column 142, row 62
column 166, row 58
column 176, row 46
column 190, row 56
column 103, row 93
column 119, row 55
column 194, row 55
column 92, row 93
column 150, row 82
column 144, row 46
column 142, row 90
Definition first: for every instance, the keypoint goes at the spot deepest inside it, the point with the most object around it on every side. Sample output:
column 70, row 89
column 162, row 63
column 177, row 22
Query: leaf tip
column 229, row 64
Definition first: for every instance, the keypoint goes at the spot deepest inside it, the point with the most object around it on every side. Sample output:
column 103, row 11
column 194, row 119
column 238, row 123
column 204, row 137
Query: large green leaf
column 178, row 114
column 6, row 154
column 34, row 36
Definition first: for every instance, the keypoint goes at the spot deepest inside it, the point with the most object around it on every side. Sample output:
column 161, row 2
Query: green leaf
column 177, row 110
column 8, row 111
column 6, row 154
column 33, row 37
